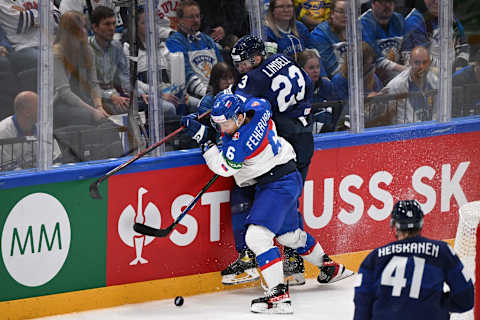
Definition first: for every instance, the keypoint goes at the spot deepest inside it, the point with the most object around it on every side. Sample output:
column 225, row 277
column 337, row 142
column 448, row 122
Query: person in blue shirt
column 383, row 29
column 291, row 36
column 424, row 30
column 199, row 50
column 405, row 278
column 255, row 155
column 329, row 38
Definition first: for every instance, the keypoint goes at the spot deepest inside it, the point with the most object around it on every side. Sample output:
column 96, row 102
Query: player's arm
column 223, row 163
column 365, row 289
column 461, row 295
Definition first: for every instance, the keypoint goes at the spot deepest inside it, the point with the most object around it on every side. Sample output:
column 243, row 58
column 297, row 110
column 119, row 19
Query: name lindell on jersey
column 273, row 67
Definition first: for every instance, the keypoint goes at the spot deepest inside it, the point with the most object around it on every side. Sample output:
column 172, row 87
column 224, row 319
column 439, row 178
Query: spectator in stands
column 329, row 38
column 313, row 12
column 466, row 88
column 424, row 30
column 170, row 100
column 469, row 74
column 221, row 78
column 87, row 6
column 420, row 83
column 324, row 119
column 21, row 21
column 110, row 61
column 5, row 48
column 291, row 36
column 383, row 30
column 371, row 83
column 21, row 124
column 76, row 94
column 167, row 22
column 224, row 17
column 199, row 50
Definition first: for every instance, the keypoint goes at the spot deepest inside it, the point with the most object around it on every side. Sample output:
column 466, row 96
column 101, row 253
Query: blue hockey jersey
column 332, row 50
column 281, row 82
column 387, row 43
column 200, row 55
column 254, row 149
column 404, row 280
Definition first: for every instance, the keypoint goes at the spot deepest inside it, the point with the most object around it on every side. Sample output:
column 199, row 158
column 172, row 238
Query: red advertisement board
column 201, row 243
column 347, row 201
column 350, row 191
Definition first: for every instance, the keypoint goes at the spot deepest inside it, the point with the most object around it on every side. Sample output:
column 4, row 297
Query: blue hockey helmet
column 225, row 107
column 246, row 47
column 407, row 215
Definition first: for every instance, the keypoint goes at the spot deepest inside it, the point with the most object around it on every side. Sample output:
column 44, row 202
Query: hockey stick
column 149, row 231
column 94, row 193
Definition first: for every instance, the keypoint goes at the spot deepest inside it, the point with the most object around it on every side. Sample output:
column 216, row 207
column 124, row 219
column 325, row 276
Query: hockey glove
column 195, row 129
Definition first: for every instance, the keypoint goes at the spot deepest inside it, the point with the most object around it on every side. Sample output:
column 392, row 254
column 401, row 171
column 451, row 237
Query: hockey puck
column 178, row 301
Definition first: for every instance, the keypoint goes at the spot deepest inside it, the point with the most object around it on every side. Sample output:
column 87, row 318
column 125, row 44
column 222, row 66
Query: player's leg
column 311, row 250
column 273, row 203
column 244, row 269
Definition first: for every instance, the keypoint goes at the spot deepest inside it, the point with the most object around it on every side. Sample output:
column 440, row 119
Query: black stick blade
column 94, row 193
column 149, row 231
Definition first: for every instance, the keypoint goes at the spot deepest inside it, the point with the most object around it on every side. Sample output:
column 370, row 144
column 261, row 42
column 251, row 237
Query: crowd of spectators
column 92, row 51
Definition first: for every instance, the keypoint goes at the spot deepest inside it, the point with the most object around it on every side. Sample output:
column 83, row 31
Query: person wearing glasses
column 199, row 50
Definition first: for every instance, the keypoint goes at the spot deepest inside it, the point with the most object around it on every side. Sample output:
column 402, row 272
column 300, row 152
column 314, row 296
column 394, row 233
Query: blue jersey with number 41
column 405, row 280
column 282, row 83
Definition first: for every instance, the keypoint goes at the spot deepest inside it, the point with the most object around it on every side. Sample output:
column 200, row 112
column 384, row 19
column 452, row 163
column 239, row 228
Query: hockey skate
column 242, row 270
column 331, row 271
column 276, row 300
column 293, row 268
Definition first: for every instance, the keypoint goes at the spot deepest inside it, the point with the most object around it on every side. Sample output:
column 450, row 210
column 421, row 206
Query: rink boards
column 63, row 251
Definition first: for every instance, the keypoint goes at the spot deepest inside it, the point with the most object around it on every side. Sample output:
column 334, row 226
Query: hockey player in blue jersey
column 405, row 279
column 288, row 89
column 255, row 155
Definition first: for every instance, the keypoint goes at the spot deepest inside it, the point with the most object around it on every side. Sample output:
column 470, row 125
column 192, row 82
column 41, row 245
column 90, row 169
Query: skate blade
column 345, row 274
column 276, row 308
column 249, row 275
column 295, row 279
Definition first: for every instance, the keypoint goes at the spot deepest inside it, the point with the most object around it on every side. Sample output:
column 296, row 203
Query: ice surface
column 311, row 301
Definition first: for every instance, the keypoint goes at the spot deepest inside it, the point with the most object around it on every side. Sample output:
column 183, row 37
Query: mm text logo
column 35, row 239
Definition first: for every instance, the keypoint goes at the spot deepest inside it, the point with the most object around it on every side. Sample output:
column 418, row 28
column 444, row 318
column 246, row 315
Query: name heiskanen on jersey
column 275, row 66
column 257, row 135
column 426, row 248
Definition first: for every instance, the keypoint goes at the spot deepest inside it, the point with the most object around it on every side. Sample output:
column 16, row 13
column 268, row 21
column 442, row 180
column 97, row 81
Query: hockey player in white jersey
column 254, row 154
